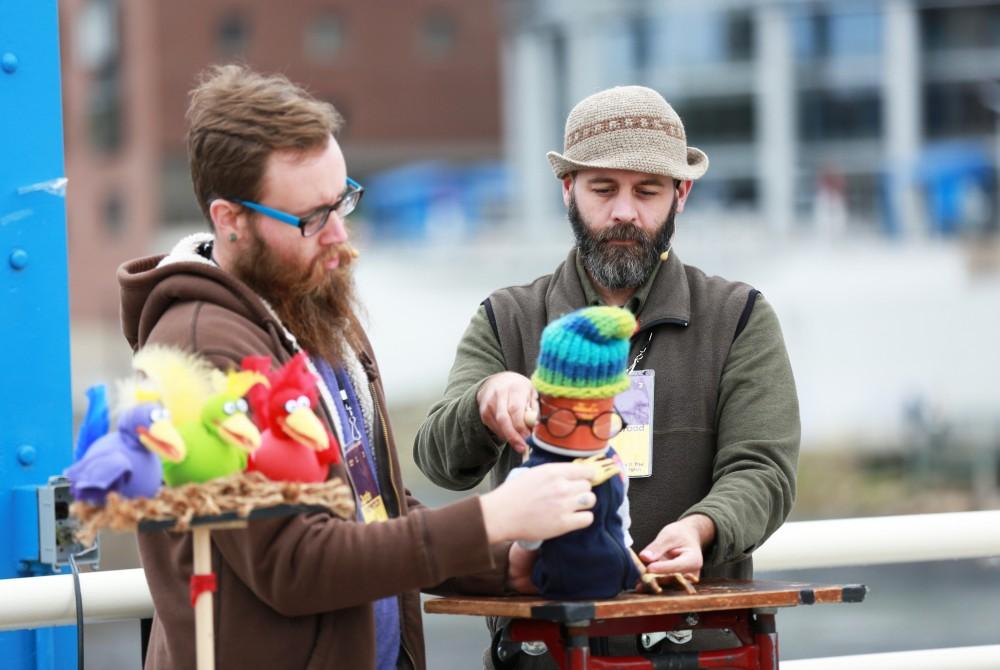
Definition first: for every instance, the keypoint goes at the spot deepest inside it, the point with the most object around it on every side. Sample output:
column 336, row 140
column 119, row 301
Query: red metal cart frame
column 746, row 609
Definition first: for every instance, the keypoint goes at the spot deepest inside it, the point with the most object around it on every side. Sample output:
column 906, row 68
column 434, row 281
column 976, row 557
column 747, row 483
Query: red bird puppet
column 295, row 446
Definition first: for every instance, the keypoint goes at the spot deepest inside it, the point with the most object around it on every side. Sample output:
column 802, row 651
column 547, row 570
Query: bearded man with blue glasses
column 273, row 279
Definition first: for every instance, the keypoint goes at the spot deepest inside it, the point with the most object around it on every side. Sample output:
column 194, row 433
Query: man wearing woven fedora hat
column 713, row 445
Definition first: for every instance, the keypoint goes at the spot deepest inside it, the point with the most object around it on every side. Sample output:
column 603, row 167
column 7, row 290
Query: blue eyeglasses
column 312, row 223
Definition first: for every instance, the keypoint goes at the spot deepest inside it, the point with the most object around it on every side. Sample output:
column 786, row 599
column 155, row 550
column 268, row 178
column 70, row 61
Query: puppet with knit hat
column 582, row 366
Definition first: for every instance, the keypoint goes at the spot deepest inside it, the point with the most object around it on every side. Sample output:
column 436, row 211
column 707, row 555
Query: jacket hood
column 152, row 284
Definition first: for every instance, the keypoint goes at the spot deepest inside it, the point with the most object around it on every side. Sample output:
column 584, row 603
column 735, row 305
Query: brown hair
column 237, row 118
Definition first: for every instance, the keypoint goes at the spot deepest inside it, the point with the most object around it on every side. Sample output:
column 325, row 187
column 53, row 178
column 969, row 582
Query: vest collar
column 668, row 300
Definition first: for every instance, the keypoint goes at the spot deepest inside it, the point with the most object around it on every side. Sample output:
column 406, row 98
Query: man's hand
column 678, row 547
column 520, row 562
column 545, row 501
column 503, row 399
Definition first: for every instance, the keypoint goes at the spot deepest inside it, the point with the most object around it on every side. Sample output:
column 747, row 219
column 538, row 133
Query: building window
column 232, row 35
column 839, row 115
column 821, row 35
column 973, row 27
column 718, row 119
column 739, row 36
column 105, row 115
column 956, row 109
column 438, row 35
column 98, row 33
column 178, row 205
column 99, row 49
column 728, row 193
column 701, row 37
column 114, row 214
column 324, row 38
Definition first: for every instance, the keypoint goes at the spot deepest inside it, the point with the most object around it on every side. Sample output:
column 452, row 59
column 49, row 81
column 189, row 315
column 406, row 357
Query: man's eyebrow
column 317, row 210
column 650, row 181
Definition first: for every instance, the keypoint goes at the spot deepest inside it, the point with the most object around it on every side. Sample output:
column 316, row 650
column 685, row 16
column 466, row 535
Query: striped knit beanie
column 585, row 354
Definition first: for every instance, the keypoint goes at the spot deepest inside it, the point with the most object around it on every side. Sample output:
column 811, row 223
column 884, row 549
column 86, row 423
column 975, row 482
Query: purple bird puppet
column 127, row 460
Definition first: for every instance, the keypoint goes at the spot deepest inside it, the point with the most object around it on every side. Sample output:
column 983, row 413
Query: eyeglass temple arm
column 273, row 213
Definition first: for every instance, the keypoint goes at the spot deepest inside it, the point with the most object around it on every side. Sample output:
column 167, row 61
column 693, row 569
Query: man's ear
column 567, row 188
column 226, row 218
column 681, row 192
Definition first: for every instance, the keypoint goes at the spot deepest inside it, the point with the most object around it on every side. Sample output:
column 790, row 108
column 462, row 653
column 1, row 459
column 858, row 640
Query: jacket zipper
column 399, row 505
column 385, row 432
column 661, row 322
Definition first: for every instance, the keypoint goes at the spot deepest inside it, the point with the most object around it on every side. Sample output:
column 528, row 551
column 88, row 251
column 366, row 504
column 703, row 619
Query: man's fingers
column 683, row 564
column 677, row 560
column 584, row 501
column 573, row 471
column 663, row 544
column 501, row 414
column 516, row 411
column 652, row 552
column 503, row 426
column 579, row 520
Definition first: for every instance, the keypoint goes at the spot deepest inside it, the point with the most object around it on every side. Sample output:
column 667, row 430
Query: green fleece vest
column 694, row 319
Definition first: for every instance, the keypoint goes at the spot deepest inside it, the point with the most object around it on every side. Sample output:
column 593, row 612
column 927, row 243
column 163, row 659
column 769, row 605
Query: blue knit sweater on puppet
column 591, row 562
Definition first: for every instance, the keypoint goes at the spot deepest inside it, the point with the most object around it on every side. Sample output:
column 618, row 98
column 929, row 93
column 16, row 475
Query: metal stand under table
column 746, row 608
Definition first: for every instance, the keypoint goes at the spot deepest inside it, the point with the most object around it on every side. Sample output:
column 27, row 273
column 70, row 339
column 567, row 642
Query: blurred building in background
column 812, row 112
column 416, row 81
column 823, row 120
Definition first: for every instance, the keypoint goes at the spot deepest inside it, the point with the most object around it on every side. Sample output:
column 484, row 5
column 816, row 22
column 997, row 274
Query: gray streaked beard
column 617, row 267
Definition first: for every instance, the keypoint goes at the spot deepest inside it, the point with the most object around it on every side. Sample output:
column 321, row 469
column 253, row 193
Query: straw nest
column 240, row 494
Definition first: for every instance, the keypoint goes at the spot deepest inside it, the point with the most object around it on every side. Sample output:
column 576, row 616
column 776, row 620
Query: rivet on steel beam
column 19, row 259
column 26, row 454
column 9, row 62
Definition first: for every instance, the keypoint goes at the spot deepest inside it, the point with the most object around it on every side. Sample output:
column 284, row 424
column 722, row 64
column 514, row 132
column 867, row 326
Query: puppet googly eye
column 229, row 408
column 242, row 405
column 303, row 401
column 159, row 414
column 291, row 406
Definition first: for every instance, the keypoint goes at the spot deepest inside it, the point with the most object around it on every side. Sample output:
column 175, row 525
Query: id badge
column 635, row 444
column 362, row 474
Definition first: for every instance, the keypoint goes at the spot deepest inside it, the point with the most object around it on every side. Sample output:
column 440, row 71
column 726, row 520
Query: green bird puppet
column 208, row 409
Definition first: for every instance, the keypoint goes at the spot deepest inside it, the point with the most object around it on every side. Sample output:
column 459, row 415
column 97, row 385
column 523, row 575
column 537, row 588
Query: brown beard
column 318, row 307
column 620, row 268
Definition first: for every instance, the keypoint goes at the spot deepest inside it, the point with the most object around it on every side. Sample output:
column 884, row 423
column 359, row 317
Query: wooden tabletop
column 711, row 596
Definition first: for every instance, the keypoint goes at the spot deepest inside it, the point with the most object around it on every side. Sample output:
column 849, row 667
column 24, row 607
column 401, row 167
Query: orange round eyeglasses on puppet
column 578, row 424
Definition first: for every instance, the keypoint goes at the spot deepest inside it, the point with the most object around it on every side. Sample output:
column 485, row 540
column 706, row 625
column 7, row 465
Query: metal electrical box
column 56, row 528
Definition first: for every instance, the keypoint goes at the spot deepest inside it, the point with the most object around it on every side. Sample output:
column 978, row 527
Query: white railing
column 956, row 658
column 878, row 540
column 35, row 602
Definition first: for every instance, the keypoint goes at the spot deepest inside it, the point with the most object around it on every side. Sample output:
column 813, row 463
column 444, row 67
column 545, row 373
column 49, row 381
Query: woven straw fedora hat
column 627, row 128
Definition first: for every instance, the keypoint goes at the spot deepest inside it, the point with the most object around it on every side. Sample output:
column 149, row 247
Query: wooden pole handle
column 204, row 625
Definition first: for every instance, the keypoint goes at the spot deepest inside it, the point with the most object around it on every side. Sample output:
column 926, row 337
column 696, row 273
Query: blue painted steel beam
column 35, row 396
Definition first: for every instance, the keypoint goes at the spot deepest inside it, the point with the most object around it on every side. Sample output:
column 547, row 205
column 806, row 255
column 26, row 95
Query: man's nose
column 335, row 230
column 624, row 209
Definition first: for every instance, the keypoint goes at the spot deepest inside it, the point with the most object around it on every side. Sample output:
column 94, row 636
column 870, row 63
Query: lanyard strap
column 348, row 409
column 349, row 400
column 642, row 352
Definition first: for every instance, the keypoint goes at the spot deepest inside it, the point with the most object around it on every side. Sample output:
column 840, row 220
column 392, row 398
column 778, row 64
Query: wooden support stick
column 204, row 625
